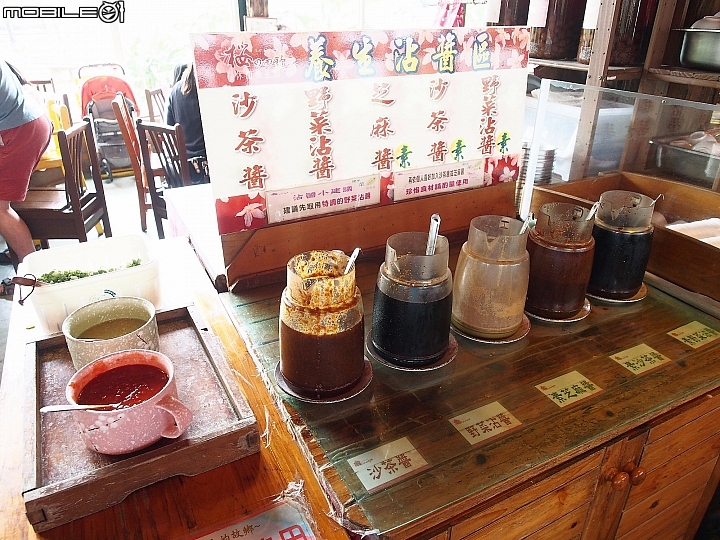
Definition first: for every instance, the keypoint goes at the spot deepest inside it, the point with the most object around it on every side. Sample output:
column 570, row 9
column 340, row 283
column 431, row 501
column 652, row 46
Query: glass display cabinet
column 597, row 427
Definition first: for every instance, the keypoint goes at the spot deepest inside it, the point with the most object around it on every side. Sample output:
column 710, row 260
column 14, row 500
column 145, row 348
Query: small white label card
column 484, row 422
column 695, row 334
column 387, row 464
column 569, row 388
column 640, row 358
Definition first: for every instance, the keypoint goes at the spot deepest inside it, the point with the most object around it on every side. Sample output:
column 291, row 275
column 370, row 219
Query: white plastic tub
column 54, row 302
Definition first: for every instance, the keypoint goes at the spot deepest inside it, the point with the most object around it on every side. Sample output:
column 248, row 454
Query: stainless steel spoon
column 69, row 407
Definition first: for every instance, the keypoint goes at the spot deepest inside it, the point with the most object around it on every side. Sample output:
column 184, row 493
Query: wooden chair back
column 169, row 144
column 126, row 123
column 46, row 85
column 71, row 212
column 156, row 104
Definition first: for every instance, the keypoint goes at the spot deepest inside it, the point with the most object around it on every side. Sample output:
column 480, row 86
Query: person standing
column 184, row 109
column 25, row 132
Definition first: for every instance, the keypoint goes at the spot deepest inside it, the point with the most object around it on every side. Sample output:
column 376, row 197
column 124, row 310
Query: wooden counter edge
column 282, row 449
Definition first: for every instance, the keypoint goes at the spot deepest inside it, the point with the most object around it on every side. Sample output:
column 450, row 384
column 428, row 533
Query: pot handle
column 182, row 415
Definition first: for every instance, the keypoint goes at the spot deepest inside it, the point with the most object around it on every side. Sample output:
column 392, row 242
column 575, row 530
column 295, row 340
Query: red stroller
column 96, row 95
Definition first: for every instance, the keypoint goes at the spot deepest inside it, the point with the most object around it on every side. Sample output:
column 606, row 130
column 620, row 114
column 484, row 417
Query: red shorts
column 20, row 151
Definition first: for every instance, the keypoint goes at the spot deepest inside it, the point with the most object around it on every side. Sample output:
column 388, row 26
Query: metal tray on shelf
column 691, row 166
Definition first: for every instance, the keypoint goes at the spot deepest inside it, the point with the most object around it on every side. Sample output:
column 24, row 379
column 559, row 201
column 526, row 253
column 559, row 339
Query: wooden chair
column 156, row 104
column 130, row 136
column 46, row 85
column 169, row 144
column 71, row 212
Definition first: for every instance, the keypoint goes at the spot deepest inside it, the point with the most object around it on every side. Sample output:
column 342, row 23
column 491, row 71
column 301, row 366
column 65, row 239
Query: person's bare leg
column 15, row 232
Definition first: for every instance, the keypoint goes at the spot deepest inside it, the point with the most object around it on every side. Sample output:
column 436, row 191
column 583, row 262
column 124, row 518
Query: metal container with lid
column 413, row 301
column 491, row 278
column 561, row 248
column 623, row 238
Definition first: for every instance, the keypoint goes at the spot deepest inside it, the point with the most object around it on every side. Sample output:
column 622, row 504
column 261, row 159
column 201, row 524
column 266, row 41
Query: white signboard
column 286, row 114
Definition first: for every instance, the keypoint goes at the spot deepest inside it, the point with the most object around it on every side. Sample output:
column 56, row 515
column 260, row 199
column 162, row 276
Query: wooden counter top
column 419, row 406
column 178, row 507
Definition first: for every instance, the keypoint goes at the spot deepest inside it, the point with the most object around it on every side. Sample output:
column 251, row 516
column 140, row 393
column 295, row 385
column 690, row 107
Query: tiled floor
column 124, row 219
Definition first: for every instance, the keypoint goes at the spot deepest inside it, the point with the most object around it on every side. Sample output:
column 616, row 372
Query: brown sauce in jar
column 128, row 385
column 559, row 277
column 320, row 366
column 112, row 328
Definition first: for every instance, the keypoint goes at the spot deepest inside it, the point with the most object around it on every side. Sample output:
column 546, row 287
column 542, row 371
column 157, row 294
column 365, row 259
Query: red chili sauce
column 127, row 385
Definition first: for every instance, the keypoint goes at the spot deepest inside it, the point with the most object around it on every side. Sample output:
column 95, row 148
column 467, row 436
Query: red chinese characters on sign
column 383, row 159
column 438, row 87
column 438, row 152
column 243, row 104
column 488, row 121
column 249, row 141
column 438, row 121
column 255, row 177
column 320, row 123
column 381, row 128
column 320, row 145
column 380, row 94
column 294, row 532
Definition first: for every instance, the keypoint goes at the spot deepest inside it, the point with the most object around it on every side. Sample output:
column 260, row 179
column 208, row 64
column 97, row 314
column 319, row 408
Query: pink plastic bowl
column 136, row 427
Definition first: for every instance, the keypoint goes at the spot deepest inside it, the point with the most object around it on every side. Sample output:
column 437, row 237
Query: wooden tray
column 63, row 480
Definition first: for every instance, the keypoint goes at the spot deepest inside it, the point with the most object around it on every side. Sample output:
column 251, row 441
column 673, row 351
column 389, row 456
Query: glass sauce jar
column 623, row 235
column 513, row 12
column 561, row 250
column 491, row 278
column 555, row 28
column 632, row 34
column 321, row 326
column 413, row 301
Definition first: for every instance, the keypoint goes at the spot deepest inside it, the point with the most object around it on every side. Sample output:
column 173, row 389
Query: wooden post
column 597, row 76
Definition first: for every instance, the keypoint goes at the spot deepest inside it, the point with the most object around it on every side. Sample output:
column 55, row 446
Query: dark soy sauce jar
column 623, row 235
column 413, row 301
column 561, row 248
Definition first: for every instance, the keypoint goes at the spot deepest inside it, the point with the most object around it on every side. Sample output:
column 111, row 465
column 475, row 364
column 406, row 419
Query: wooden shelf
column 613, row 72
column 684, row 76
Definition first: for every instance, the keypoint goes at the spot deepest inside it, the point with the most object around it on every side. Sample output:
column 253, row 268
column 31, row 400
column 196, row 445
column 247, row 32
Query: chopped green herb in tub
column 61, row 276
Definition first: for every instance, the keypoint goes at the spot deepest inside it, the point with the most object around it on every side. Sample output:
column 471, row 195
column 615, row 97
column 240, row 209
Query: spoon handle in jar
column 433, row 234
column 351, row 260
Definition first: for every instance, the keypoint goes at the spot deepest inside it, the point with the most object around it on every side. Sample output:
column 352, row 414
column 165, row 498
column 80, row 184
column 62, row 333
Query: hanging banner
column 306, row 124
